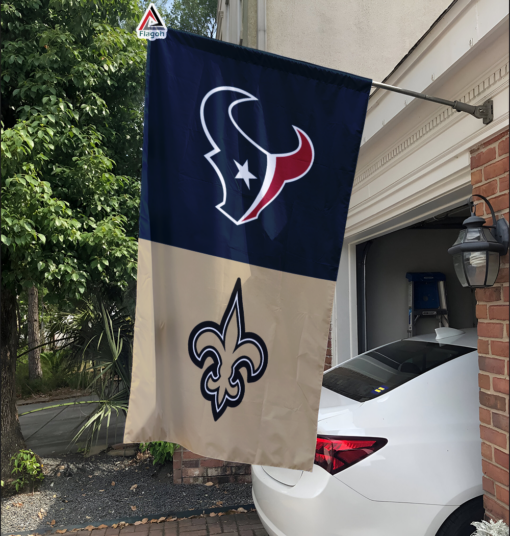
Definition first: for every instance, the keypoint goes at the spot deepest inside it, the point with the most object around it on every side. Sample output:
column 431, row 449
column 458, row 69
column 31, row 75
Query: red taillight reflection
column 334, row 453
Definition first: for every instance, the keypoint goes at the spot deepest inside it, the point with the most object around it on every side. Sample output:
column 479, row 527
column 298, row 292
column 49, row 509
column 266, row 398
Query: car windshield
column 369, row 375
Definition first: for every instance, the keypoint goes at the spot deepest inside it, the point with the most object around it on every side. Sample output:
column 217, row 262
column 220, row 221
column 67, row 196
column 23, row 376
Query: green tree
column 72, row 107
column 196, row 16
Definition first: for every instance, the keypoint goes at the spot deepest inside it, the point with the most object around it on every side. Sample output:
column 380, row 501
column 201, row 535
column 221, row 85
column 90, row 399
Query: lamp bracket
column 501, row 234
column 499, row 228
column 472, row 209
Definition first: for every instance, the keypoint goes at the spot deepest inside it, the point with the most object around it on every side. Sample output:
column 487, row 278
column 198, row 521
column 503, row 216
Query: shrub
column 26, row 468
column 484, row 528
column 55, row 376
column 56, row 362
column 161, row 451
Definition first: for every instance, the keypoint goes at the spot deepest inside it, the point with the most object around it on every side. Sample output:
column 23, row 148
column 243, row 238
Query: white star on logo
column 244, row 173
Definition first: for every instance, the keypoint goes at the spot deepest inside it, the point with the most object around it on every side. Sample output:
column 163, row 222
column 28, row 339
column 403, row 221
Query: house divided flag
column 248, row 165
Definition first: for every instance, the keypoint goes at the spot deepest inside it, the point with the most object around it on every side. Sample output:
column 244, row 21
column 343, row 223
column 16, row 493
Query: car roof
column 465, row 337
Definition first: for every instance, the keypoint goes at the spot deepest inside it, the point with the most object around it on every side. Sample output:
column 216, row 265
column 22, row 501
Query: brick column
column 489, row 176
column 190, row 468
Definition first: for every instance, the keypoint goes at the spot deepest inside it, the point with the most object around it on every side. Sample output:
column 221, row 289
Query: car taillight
column 335, row 453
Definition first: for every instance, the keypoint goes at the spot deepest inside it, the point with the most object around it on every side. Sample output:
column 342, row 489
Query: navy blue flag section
column 248, row 166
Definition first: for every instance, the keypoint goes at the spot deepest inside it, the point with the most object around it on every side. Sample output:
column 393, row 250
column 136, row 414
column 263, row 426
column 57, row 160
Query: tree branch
column 44, row 344
column 66, row 404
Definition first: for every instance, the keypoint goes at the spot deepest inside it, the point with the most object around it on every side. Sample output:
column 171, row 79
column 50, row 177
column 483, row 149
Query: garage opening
column 382, row 286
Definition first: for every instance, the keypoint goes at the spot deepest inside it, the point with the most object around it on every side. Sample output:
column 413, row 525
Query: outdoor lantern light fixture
column 478, row 248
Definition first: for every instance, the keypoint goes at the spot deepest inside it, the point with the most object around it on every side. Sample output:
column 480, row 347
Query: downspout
column 226, row 19
column 233, row 22
column 261, row 25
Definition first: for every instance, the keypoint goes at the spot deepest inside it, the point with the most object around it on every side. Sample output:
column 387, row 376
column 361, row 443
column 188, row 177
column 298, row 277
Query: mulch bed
column 78, row 490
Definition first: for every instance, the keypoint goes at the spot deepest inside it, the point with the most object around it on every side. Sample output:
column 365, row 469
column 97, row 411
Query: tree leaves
column 72, row 126
column 196, row 16
column 66, row 201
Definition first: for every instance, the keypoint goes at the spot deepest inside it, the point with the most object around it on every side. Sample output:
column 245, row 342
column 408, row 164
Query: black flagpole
column 483, row 111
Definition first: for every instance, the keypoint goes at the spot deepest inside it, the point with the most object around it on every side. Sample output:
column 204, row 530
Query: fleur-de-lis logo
column 222, row 383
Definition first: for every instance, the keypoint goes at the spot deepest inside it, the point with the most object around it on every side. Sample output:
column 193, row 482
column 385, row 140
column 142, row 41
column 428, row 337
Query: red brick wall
column 190, row 468
column 489, row 176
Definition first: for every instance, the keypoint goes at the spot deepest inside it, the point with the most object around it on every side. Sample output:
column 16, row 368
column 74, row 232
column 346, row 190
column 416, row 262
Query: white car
column 398, row 447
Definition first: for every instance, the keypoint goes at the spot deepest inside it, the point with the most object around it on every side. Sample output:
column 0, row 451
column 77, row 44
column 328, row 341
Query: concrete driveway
column 50, row 432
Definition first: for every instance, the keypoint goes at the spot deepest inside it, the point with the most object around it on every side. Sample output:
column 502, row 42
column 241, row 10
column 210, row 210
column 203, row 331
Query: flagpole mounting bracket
column 483, row 111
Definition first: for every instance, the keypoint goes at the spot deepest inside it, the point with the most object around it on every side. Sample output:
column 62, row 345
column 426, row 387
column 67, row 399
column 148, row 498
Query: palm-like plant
column 57, row 362
column 111, row 373
column 98, row 342
column 78, row 330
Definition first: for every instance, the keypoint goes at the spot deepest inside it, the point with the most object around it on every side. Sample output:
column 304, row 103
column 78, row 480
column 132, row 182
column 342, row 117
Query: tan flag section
column 179, row 290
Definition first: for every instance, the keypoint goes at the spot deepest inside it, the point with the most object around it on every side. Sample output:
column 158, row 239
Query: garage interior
column 382, row 287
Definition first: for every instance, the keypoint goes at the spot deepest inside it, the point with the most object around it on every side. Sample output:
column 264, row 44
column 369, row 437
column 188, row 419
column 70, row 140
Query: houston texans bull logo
column 237, row 349
column 280, row 169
